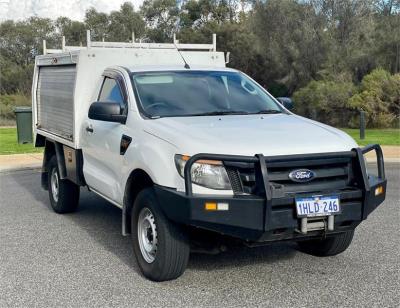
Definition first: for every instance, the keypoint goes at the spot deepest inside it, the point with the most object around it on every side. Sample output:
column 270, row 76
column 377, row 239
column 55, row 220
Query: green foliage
column 8, row 104
column 19, row 41
column 15, row 77
column 98, row 23
column 291, row 37
column 74, row 31
column 379, row 96
column 326, row 101
column 321, row 50
column 339, row 102
column 124, row 22
column 161, row 17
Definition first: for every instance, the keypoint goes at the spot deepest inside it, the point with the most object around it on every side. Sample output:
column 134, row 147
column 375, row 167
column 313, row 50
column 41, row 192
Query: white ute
column 195, row 154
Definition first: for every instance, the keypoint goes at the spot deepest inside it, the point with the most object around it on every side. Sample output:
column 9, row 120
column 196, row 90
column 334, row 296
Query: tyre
column 161, row 247
column 330, row 246
column 64, row 195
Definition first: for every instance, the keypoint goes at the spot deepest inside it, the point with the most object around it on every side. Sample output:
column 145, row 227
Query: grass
column 9, row 144
column 8, row 103
column 381, row 136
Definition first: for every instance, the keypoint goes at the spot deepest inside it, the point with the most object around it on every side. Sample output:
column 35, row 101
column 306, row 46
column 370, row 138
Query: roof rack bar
column 102, row 44
column 153, row 45
column 214, row 42
column 88, row 41
column 71, row 48
column 175, row 40
column 50, row 51
column 44, row 47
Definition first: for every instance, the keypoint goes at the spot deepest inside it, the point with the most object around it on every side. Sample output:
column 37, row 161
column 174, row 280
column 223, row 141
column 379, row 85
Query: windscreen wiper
column 218, row 112
column 268, row 111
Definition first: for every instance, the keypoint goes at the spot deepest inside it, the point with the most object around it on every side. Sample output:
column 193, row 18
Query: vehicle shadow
column 102, row 222
column 238, row 256
column 30, row 180
column 95, row 216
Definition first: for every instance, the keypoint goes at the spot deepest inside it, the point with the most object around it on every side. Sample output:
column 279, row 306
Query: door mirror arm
column 286, row 102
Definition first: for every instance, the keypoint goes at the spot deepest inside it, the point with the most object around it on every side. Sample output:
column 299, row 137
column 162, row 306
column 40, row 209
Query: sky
column 74, row 9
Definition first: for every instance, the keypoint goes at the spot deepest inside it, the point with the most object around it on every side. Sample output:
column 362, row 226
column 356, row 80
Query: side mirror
column 286, row 102
column 107, row 111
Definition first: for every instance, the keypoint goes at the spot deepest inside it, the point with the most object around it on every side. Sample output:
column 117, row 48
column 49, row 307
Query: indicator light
column 378, row 190
column 210, row 206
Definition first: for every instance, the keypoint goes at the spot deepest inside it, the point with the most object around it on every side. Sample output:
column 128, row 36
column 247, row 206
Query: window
column 110, row 92
column 197, row 93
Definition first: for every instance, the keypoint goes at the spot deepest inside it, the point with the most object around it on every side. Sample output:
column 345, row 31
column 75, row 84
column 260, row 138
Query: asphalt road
column 81, row 260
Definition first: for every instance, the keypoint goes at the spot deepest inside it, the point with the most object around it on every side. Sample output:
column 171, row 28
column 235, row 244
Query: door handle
column 89, row 129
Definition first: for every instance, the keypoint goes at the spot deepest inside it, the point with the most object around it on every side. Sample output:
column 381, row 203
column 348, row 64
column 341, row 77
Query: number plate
column 317, row 206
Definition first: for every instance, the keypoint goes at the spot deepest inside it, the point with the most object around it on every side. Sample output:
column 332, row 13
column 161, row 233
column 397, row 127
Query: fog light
column 223, row 206
column 378, row 190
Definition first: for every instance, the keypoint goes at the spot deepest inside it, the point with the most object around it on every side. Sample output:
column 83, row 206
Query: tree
column 293, row 39
column 19, row 42
column 74, row 31
column 124, row 22
column 327, row 101
column 161, row 17
column 303, row 47
column 98, row 23
column 379, row 97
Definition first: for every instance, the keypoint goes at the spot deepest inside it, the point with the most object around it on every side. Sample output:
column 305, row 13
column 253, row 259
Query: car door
column 102, row 158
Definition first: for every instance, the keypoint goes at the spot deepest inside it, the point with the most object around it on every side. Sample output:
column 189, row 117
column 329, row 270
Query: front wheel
column 330, row 246
column 161, row 247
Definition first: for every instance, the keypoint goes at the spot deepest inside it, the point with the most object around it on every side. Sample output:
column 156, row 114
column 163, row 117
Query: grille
column 330, row 174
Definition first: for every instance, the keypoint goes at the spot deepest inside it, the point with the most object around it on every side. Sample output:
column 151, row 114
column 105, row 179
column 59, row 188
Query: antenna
column 177, row 49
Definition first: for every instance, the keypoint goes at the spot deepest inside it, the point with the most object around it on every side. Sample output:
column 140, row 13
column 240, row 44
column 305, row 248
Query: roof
column 157, row 68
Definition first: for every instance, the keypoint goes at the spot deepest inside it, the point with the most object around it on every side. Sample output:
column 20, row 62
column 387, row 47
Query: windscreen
column 198, row 93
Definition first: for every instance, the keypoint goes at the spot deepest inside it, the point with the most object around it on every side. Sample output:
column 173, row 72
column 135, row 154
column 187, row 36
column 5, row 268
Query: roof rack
column 133, row 44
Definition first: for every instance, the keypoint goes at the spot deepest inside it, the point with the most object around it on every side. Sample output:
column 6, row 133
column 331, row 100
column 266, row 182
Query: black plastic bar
column 379, row 158
column 363, row 169
column 303, row 157
column 194, row 158
column 264, row 176
column 254, row 159
column 263, row 171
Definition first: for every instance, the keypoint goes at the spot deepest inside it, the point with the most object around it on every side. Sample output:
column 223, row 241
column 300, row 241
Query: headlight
column 207, row 173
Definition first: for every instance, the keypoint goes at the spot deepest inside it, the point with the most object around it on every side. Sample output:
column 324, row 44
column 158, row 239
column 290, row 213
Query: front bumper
column 271, row 218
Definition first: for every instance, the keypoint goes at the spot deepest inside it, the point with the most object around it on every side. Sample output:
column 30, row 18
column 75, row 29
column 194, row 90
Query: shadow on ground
column 102, row 222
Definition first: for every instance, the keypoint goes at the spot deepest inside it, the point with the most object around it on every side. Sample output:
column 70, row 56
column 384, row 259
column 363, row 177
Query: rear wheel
column 161, row 247
column 330, row 246
column 64, row 195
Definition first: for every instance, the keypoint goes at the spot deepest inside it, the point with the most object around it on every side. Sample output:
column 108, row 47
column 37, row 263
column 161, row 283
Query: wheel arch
column 136, row 182
column 52, row 148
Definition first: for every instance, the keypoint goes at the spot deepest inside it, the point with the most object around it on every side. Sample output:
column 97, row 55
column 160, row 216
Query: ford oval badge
column 302, row 175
